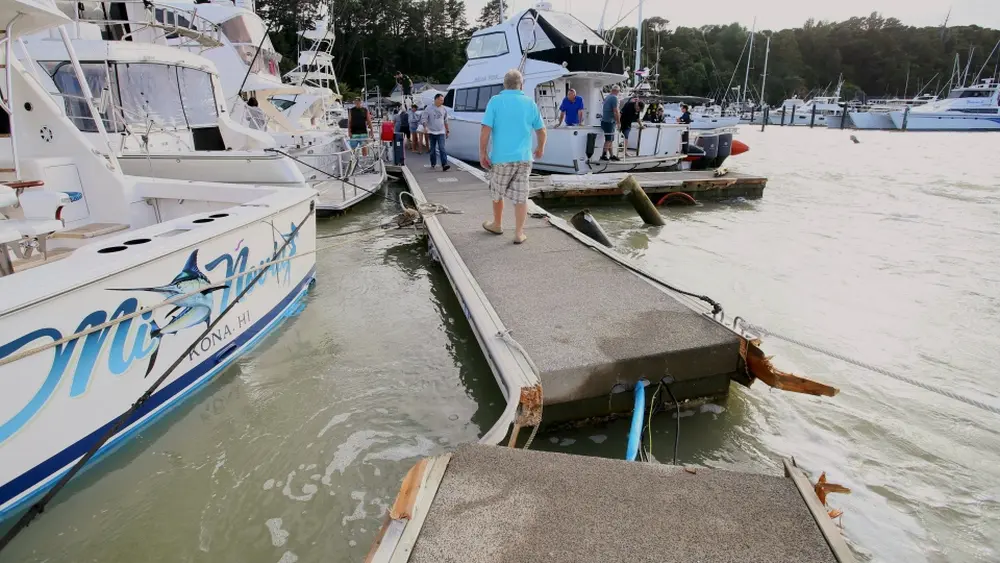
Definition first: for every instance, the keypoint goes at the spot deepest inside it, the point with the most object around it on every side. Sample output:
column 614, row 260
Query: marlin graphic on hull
column 189, row 311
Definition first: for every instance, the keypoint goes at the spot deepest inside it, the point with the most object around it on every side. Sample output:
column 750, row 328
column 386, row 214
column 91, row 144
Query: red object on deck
column 739, row 147
column 388, row 131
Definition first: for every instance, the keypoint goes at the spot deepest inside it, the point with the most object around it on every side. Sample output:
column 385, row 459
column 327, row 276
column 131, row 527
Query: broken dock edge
column 488, row 503
column 659, row 186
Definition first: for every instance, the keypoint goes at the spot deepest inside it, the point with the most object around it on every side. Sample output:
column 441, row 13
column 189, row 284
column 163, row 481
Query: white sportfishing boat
column 875, row 114
column 971, row 108
column 222, row 141
column 556, row 52
column 119, row 296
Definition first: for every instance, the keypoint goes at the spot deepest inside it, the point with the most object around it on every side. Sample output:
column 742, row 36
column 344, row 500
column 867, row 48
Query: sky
column 772, row 14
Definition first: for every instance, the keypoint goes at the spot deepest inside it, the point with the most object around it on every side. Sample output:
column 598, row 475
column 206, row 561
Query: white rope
column 865, row 365
column 32, row 351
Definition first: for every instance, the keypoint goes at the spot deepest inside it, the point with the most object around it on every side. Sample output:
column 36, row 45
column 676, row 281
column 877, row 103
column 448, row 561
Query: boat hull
column 945, row 121
column 56, row 404
column 566, row 148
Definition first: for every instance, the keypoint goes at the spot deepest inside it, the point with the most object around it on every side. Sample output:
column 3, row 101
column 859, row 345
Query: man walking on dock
column 510, row 118
column 435, row 120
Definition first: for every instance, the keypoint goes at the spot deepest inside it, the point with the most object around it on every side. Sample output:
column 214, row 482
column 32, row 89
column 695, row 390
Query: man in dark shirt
column 359, row 124
column 406, row 84
column 630, row 115
column 685, row 115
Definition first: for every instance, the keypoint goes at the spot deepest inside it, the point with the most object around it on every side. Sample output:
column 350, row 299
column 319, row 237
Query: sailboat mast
column 763, row 79
column 746, row 79
column 501, row 11
column 638, row 45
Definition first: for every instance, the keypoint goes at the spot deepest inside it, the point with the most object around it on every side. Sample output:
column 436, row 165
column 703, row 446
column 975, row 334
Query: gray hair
column 616, row 88
column 513, row 80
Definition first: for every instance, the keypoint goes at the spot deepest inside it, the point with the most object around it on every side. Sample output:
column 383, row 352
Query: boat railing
column 163, row 21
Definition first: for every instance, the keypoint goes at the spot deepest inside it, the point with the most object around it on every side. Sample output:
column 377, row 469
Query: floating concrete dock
column 586, row 321
column 590, row 189
column 486, row 504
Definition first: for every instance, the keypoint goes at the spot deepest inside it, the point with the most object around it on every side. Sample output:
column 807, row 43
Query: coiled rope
column 755, row 329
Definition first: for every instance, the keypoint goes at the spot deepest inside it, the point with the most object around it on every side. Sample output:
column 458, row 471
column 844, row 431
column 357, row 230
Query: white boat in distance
column 972, row 108
column 559, row 52
column 109, row 282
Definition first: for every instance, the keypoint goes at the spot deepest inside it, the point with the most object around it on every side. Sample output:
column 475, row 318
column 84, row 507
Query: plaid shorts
column 510, row 180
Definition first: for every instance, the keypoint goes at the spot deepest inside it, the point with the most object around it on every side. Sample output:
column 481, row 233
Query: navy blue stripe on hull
column 172, row 393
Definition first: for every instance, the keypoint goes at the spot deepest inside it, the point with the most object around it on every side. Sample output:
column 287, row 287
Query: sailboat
column 111, row 282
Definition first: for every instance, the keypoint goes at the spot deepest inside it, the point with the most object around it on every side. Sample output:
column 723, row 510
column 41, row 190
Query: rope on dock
column 508, row 338
column 739, row 322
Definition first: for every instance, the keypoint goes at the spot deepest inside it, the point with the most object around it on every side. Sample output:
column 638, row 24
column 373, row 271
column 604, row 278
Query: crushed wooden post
column 586, row 224
column 640, row 201
column 760, row 367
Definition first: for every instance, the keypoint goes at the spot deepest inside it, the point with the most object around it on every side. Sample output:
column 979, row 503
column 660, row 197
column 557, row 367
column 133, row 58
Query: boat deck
column 587, row 321
column 702, row 185
column 337, row 196
column 486, row 504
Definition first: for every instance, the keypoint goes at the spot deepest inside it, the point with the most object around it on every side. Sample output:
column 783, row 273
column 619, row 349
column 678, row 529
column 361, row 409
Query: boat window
column 449, row 99
column 282, row 105
column 541, row 40
column 977, row 94
column 150, row 93
column 460, row 99
column 169, row 17
column 475, row 99
column 488, row 45
column 197, row 97
column 101, row 86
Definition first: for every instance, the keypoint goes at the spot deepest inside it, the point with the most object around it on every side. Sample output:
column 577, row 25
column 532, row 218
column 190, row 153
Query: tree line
column 426, row 39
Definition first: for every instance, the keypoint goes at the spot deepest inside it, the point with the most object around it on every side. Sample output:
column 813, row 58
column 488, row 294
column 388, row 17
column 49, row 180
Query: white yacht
column 555, row 52
column 110, row 282
column 875, row 114
column 972, row 108
column 795, row 111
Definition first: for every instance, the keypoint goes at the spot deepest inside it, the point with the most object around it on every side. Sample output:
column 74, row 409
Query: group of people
column 426, row 131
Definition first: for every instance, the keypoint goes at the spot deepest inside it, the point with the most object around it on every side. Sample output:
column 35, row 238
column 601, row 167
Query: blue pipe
column 635, row 432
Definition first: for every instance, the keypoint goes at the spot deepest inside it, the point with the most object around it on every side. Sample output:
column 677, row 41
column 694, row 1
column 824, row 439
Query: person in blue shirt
column 510, row 118
column 571, row 109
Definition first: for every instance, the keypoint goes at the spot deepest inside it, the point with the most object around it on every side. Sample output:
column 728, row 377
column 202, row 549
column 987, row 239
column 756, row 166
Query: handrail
column 201, row 30
column 9, row 79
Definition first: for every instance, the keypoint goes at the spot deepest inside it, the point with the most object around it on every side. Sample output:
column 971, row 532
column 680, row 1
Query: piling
column 753, row 111
column 640, row 201
column 764, row 117
column 812, row 120
column 586, row 224
column 906, row 117
column 843, row 117
column 783, row 108
column 792, row 120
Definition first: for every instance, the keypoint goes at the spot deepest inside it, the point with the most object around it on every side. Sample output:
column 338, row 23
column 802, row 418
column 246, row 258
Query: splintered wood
column 761, row 368
column 823, row 488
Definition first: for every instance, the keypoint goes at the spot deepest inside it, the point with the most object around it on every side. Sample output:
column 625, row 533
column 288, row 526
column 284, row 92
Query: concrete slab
column 585, row 320
column 497, row 504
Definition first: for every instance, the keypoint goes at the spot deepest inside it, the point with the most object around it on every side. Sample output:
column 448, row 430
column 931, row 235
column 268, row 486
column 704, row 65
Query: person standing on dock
column 414, row 136
column 510, row 118
column 571, row 109
column 359, row 125
column 611, row 118
column 435, row 121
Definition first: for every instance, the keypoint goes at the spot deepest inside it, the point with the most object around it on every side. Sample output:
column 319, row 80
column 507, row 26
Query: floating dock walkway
column 588, row 323
column 490, row 504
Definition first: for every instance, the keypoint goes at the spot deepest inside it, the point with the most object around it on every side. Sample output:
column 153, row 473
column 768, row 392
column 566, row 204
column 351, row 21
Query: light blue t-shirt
column 514, row 118
column 608, row 109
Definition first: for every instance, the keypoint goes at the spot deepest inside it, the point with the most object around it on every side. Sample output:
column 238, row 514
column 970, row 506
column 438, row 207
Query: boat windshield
column 246, row 29
column 169, row 96
column 970, row 94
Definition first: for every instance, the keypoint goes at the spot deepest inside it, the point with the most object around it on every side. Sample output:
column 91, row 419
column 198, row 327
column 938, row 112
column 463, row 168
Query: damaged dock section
column 699, row 185
column 556, row 313
column 489, row 504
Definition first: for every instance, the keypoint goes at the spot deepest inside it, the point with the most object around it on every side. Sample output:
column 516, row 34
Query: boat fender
column 591, row 144
column 739, row 147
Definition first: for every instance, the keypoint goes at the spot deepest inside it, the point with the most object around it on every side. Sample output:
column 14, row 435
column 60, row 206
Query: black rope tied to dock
column 120, row 422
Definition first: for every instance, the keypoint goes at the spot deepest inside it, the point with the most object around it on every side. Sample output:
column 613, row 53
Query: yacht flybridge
column 119, row 295
column 555, row 51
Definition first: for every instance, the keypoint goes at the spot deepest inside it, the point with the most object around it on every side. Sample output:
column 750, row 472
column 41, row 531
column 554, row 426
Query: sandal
column 520, row 239
column 488, row 225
